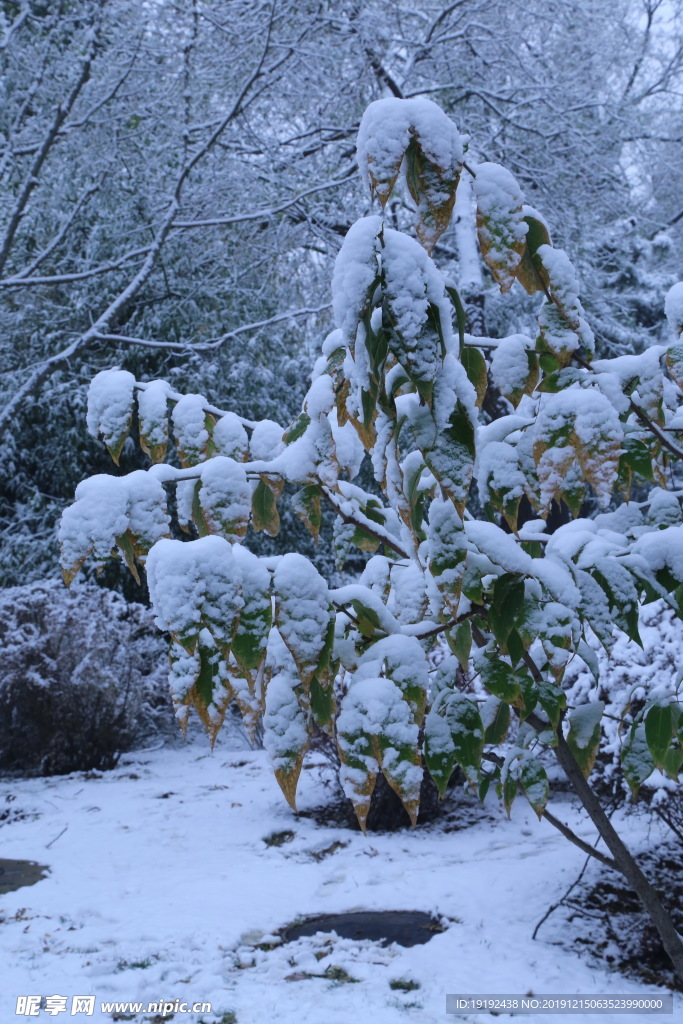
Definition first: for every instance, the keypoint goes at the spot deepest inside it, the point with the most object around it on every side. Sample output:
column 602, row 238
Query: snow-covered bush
column 82, row 678
column 400, row 380
column 629, row 677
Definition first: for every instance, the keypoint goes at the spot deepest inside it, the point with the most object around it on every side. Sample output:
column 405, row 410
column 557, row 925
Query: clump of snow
column 153, row 414
column 564, row 286
column 355, row 268
column 225, row 497
column 386, row 129
column 194, row 585
column 104, row 509
column 510, row 363
column 302, row 609
column 266, row 441
column 189, row 427
column 230, row 437
column 500, row 221
column 110, row 405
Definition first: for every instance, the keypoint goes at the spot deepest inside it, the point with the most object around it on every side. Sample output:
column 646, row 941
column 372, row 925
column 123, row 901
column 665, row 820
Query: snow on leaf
column 636, row 759
column 376, row 730
column 461, row 741
column 225, row 497
column 153, row 419
column 355, row 276
column 500, row 479
column 500, row 222
column 417, row 307
column 230, row 438
column 285, row 736
column 514, row 367
column 535, row 784
column 418, row 129
column 530, row 273
column 583, row 738
column 403, row 661
column 110, row 408
column 447, row 546
column 251, row 638
column 266, row 441
column 564, row 290
column 129, row 511
column 662, row 549
column 195, row 585
column 302, row 611
column 190, row 429
column 408, row 597
column 446, row 434
column 579, row 423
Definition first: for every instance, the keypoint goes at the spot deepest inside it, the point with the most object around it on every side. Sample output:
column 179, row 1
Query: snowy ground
column 162, row 886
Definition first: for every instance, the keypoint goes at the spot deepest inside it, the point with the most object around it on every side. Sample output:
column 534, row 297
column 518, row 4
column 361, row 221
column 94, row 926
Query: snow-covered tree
column 399, row 379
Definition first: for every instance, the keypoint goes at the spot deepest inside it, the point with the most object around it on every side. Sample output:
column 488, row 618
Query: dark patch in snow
column 14, row 874
column 279, row 838
column 405, row 927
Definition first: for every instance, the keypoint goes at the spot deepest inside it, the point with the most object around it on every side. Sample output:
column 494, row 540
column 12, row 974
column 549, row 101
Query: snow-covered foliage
column 83, row 678
column 400, row 380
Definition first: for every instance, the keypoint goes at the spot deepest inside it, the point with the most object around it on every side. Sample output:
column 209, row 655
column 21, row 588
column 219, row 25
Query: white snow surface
column 160, row 886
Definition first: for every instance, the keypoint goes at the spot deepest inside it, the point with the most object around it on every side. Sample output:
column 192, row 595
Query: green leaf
column 509, row 791
column 475, row 368
column 495, row 715
column 306, row 507
column 506, row 603
column 453, row 733
column 500, row 680
column 448, row 452
column 558, row 380
column 460, row 642
column 535, row 785
column 368, row 620
column 323, row 703
column 637, row 456
column 531, row 275
column 552, row 699
column 661, row 721
column 636, row 759
column 297, row 429
column 264, row 514
column 583, row 738
column 460, row 315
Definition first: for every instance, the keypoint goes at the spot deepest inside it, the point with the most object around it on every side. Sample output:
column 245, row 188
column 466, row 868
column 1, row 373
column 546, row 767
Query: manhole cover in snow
column 406, row 927
column 16, row 873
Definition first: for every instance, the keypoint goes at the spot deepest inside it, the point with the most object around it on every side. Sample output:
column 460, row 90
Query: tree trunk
column 622, row 857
